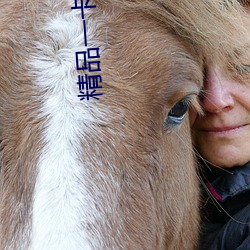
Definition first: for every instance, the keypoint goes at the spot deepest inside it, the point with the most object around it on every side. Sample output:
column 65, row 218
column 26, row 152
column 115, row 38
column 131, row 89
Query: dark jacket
column 226, row 211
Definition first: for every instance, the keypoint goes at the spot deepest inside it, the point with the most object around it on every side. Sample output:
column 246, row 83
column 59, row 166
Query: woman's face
column 222, row 136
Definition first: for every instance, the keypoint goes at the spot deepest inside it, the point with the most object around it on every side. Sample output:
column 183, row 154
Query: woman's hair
column 244, row 2
column 209, row 25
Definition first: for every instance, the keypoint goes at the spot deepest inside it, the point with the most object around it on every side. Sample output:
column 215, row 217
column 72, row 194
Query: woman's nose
column 217, row 93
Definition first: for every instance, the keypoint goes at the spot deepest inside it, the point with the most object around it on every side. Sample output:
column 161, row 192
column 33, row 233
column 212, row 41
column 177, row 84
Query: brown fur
column 143, row 171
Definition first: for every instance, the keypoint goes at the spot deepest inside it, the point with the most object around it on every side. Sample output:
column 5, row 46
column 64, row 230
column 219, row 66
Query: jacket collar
column 229, row 183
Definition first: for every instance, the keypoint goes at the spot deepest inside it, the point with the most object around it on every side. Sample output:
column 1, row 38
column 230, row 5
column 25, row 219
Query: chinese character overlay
column 87, row 83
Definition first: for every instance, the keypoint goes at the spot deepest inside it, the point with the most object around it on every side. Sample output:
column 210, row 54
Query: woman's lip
column 223, row 129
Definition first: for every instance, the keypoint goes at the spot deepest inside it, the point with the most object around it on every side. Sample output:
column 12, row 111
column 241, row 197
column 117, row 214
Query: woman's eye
column 242, row 69
column 177, row 113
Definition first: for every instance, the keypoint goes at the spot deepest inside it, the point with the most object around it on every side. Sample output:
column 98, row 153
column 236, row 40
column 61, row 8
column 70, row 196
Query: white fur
column 62, row 205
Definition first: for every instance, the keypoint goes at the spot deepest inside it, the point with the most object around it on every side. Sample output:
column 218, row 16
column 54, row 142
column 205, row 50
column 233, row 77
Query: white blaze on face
column 62, row 206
